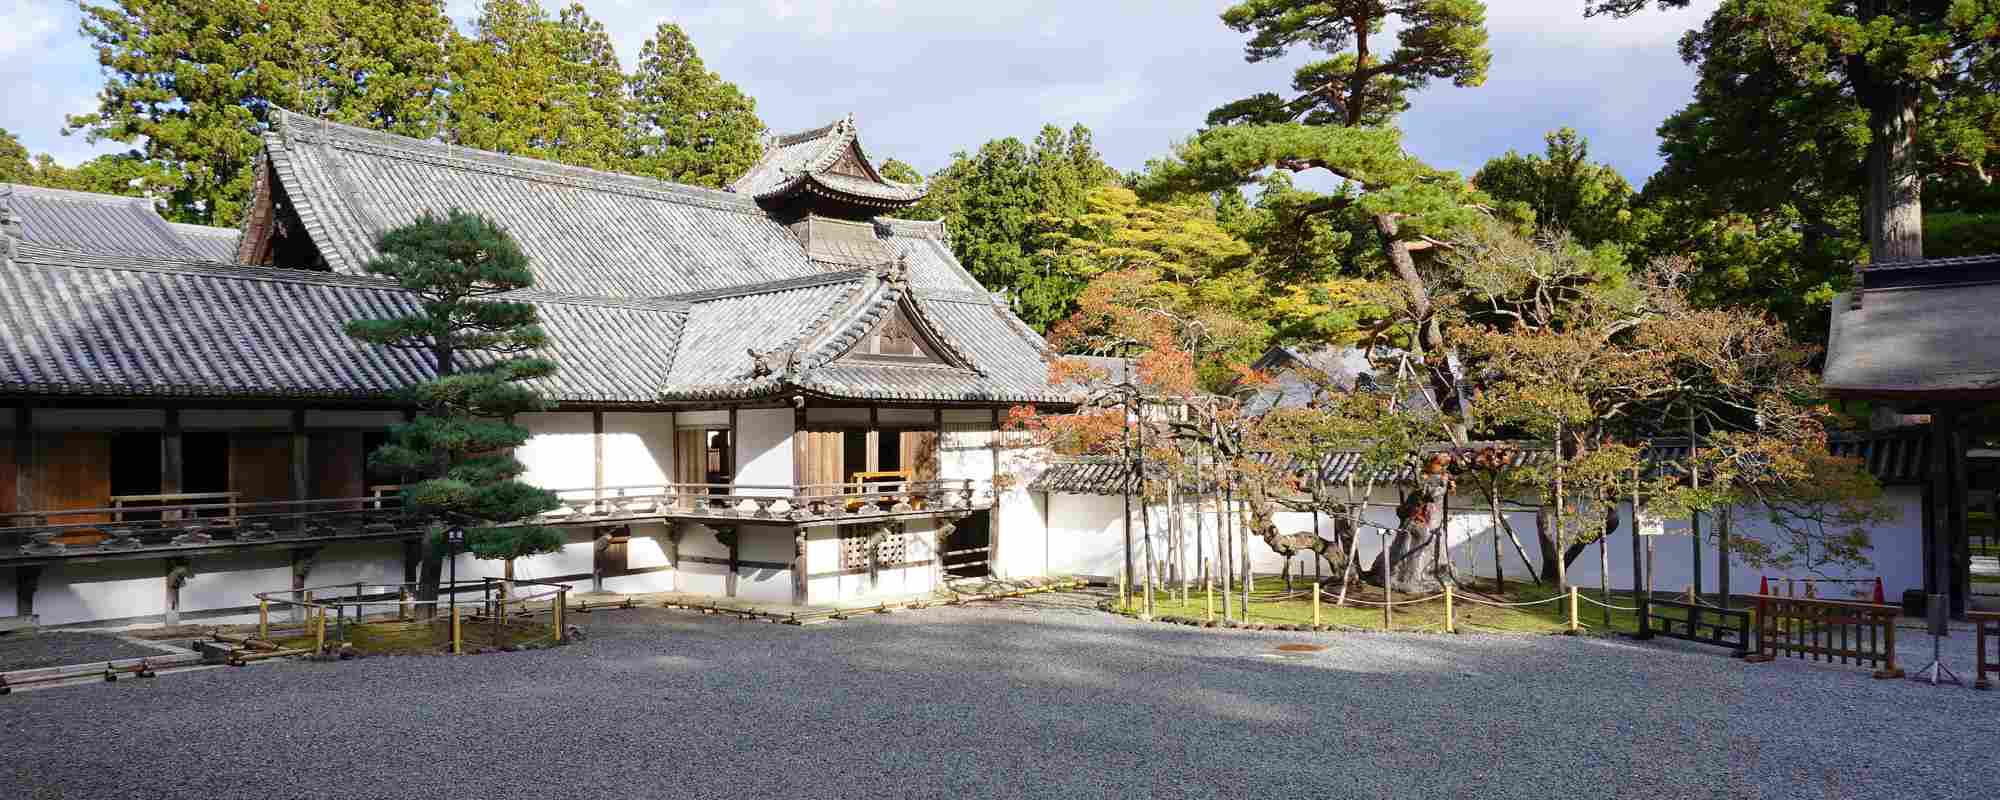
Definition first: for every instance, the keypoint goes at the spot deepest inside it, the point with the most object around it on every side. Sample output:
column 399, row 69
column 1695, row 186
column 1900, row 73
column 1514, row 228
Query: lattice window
column 854, row 548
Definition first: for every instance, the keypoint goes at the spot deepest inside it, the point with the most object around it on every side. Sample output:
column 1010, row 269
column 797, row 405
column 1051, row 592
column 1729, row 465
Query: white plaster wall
column 638, row 449
column 774, row 545
column 823, row 555
column 99, row 419
column 559, row 453
column 75, row 593
column 1086, row 537
column 698, row 577
column 764, row 447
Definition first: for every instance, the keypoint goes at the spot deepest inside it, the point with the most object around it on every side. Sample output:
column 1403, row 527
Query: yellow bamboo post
column 263, row 619
column 1208, row 595
column 562, row 599
column 1575, row 626
column 1450, row 621
column 403, row 609
column 1315, row 594
column 457, row 643
column 1123, row 603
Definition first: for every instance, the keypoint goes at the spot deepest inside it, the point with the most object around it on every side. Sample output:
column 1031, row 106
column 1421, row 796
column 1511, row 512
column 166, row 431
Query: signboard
column 455, row 535
column 1650, row 525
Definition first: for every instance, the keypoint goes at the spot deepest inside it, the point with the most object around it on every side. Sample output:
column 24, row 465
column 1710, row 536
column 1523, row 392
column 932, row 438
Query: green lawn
column 1270, row 605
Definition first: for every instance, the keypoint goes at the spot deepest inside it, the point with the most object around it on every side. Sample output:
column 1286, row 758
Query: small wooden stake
column 403, row 610
column 1123, row 603
column 264, row 619
column 1208, row 592
column 1575, row 626
column 457, row 643
column 1450, row 620
column 319, row 633
column 562, row 598
column 1315, row 594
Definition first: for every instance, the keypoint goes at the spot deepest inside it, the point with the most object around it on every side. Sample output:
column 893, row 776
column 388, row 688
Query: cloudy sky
column 929, row 77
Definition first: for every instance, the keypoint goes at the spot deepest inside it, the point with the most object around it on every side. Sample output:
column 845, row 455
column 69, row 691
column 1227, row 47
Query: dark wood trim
column 841, row 573
column 736, row 564
column 874, row 456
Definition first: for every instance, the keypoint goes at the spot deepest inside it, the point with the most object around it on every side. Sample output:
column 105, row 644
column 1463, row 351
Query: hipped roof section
column 1918, row 331
column 825, row 162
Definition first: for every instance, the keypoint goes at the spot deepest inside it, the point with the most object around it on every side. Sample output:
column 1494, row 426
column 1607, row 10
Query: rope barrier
column 1389, row 603
column 1470, row 598
column 1586, row 598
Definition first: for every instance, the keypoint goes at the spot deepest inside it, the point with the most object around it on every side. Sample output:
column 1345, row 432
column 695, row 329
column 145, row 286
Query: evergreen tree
column 189, row 81
column 1565, row 189
column 899, row 172
column 457, row 450
column 1435, row 39
column 14, row 164
column 532, row 86
column 1002, row 201
column 1914, row 80
column 690, row 125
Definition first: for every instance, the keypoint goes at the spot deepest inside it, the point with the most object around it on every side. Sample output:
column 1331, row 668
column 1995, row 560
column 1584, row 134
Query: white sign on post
column 1650, row 525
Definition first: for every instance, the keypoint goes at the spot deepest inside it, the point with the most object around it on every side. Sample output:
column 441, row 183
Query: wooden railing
column 1833, row 631
column 1695, row 622
column 1987, row 623
column 172, row 522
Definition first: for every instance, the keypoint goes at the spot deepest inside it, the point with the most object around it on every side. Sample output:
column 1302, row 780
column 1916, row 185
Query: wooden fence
column 1988, row 625
column 1833, row 631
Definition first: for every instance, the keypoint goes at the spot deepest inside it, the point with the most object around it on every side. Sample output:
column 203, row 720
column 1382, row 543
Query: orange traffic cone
column 1878, row 591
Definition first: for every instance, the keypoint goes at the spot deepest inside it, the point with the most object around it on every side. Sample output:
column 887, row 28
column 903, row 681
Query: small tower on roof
column 823, row 172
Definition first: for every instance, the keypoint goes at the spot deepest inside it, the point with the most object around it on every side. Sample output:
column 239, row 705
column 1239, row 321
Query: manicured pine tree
column 458, row 448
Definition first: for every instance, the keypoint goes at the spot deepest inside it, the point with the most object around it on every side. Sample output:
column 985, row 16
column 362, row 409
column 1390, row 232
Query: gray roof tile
column 98, row 223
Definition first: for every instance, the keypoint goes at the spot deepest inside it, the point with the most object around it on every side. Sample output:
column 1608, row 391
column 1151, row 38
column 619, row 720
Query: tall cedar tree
column 459, row 446
column 689, row 125
column 188, row 82
column 1921, row 74
column 1000, row 202
column 529, row 85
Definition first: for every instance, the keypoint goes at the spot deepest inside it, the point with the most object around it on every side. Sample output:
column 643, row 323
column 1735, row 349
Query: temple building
column 778, row 391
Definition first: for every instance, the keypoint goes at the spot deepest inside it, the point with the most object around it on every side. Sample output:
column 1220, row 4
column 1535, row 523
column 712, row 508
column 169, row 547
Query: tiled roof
column 585, row 231
column 96, row 223
column 124, row 326
column 209, row 244
column 1915, row 329
column 806, row 162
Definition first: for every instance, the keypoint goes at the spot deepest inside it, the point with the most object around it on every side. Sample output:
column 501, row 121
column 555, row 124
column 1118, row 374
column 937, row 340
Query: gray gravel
column 1041, row 697
column 63, row 649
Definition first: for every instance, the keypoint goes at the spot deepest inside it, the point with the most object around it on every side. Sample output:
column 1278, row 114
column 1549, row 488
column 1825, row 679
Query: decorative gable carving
column 895, row 340
column 850, row 164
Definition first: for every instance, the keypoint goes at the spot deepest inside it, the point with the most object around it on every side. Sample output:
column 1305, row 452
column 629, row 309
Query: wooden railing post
column 1450, row 621
column 1575, row 625
column 562, row 600
column 457, row 637
column 263, row 619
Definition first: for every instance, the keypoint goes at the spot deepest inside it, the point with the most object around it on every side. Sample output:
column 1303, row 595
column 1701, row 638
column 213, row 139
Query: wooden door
column 72, row 470
column 260, row 466
column 336, row 465
column 825, row 459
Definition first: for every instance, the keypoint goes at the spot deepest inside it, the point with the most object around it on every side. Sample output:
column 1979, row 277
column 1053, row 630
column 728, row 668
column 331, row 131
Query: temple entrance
column 967, row 554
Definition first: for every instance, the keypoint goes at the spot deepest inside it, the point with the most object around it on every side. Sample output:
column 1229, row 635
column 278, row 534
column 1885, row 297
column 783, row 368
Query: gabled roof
column 585, row 231
column 110, row 224
column 825, row 162
column 209, row 244
column 1918, row 330
column 1294, row 385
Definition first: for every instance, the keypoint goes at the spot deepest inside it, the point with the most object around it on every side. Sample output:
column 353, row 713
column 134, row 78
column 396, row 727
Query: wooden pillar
column 993, row 517
column 413, row 558
column 799, row 442
column 597, row 453
column 26, row 581
column 674, row 554
column 178, row 570
column 171, row 454
column 730, row 536
column 799, row 566
column 599, row 543
column 301, row 470
column 24, row 458
column 302, row 564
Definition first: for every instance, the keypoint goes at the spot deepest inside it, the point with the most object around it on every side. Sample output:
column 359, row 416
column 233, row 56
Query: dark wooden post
column 597, row 543
column 728, row 535
column 171, row 457
column 1639, row 565
column 301, row 468
column 799, row 566
column 1724, row 529
column 674, row 553
column 26, row 581
column 24, row 458
column 993, row 517
column 302, row 564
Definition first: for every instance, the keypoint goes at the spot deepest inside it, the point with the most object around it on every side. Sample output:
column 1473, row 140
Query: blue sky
column 926, row 78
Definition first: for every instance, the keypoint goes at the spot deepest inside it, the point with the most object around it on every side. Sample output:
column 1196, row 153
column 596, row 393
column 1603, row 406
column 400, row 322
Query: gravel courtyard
column 1042, row 697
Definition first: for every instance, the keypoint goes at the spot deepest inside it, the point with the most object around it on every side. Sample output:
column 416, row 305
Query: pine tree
column 1435, row 39
column 458, row 447
column 1566, row 190
column 690, row 125
column 14, row 164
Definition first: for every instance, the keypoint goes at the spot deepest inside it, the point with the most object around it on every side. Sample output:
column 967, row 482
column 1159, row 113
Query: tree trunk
column 1412, row 562
column 432, row 572
column 1428, row 341
column 1893, row 213
column 1499, row 567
